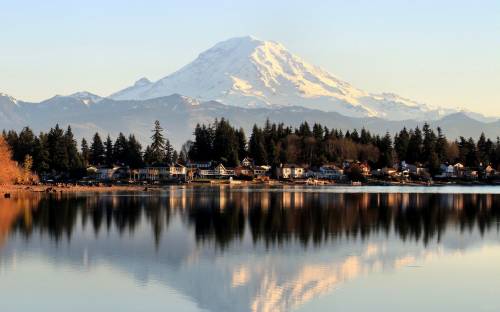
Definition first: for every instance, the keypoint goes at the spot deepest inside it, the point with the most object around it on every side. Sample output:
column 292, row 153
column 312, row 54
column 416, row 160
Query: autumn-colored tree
column 9, row 171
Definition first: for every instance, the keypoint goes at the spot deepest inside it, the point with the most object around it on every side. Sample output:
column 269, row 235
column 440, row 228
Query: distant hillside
column 179, row 115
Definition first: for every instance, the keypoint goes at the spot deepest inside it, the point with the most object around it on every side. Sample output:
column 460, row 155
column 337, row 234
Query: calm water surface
column 253, row 249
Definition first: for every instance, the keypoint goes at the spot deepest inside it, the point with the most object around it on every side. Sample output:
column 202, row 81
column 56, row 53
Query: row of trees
column 276, row 143
column 57, row 150
column 272, row 144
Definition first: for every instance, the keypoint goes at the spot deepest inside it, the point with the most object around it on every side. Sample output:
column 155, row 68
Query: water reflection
column 220, row 215
column 234, row 249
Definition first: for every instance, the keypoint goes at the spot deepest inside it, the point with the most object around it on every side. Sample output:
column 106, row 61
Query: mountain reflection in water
column 234, row 249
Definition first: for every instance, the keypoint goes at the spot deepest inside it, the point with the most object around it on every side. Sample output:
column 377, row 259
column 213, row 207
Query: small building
column 199, row 165
column 259, row 171
column 291, row 171
column 458, row 170
column 384, row 172
column 247, row 162
column 177, row 170
column 243, row 171
column 109, row 174
column 330, row 172
column 218, row 172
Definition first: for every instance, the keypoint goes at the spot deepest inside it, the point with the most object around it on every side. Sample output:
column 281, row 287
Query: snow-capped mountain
column 249, row 72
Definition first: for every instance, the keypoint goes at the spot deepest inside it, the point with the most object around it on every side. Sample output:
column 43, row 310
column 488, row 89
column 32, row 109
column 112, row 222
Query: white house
column 218, row 172
column 247, row 162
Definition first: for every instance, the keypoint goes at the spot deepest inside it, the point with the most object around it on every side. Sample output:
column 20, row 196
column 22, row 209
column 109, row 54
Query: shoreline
column 6, row 190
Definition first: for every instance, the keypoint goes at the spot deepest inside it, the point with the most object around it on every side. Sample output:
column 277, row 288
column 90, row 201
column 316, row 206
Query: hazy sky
column 441, row 52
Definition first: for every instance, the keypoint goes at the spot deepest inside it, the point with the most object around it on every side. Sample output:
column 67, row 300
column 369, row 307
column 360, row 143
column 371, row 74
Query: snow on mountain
column 9, row 110
column 6, row 99
column 87, row 98
column 133, row 92
column 249, row 72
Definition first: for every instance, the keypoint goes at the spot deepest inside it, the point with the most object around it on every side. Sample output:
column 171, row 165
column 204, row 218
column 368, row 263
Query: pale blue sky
column 440, row 52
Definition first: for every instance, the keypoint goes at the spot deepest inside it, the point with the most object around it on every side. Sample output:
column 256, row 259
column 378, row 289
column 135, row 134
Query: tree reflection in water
column 221, row 215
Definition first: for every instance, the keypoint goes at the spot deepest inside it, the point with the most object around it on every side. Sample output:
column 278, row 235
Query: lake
column 229, row 248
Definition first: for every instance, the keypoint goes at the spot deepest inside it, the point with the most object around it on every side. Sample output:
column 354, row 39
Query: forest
column 57, row 151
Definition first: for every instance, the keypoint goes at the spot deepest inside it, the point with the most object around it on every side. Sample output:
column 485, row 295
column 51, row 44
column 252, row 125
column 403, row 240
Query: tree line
column 57, row 150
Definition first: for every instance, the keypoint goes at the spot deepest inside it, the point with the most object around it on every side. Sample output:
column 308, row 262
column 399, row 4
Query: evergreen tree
column 429, row 147
column 257, row 148
column 120, row 150
column 242, row 144
column 59, row 160
column 386, row 151
column 441, row 145
column 109, row 158
column 414, row 153
column 84, row 147
column 169, row 152
column 401, row 143
column 75, row 164
column 97, row 152
column 134, row 153
column 25, row 145
column 41, row 156
column 157, row 147
column 225, row 144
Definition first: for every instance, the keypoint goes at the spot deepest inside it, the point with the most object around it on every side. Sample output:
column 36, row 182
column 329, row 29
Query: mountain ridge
column 179, row 115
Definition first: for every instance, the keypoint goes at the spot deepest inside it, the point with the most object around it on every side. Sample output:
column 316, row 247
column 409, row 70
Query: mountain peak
column 84, row 97
column 5, row 98
column 249, row 72
column 142, row 82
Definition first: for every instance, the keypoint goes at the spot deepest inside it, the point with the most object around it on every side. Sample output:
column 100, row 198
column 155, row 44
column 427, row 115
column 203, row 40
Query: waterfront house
column 259, row 171
column 291, row 171
column 247, row 162
column 177, row 171
column 330, row 172
column 458, row 170
column 447, row 171
column 243, row 171
column 218, row 172
column 199, row 165
column 110, row 174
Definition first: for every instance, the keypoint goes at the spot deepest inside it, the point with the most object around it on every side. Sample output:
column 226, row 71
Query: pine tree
column 57, row 146
column 97, row 152
column 157, row 146
column 25, row 144
column 414, row 153
column 84, row 147
column 429, row 145
column 401, row 143
column 41, row 156
column 169, row 152
column 386, row 151
column 109, row 158
column 242, row 144
column 134, row 153
column 257, row 148
column 75, row 165
column 441, row 145
column 120, row 149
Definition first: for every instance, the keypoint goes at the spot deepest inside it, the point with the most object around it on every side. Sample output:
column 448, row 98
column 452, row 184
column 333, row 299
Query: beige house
column 291, row 172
